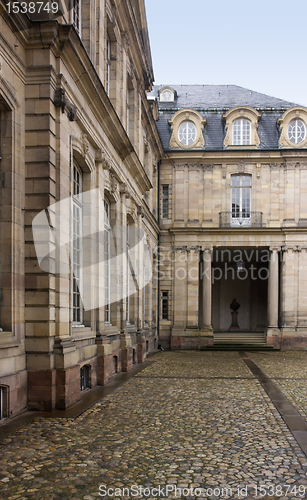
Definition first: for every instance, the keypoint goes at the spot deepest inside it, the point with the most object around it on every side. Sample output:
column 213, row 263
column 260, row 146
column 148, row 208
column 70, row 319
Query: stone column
column 273, row 288
column 207, row 289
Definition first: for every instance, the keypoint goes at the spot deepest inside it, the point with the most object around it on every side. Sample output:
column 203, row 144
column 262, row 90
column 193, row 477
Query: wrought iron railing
column 241, row 219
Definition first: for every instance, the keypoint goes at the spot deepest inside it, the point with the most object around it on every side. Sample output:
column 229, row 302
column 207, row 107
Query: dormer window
column 241, row 127
column 293, row 128
column 167, row 94
column 187, row 130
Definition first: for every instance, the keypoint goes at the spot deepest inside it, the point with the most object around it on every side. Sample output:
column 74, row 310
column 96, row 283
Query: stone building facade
column 233, row 185
column 133, row 215
column 74, row 117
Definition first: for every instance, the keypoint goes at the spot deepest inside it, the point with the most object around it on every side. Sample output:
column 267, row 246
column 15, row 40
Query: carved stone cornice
column 101, row 157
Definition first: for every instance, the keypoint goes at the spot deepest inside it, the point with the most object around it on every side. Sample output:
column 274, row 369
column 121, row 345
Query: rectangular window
column 241, row 187
column 76, row 12
column 165, row 201
column 4, row 413
column 127, row 273
column 164, row 304
column 108, row 65
column 77, row 244
column 107, row 277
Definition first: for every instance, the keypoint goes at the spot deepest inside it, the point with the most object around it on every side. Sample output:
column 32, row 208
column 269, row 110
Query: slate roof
column 212, row 101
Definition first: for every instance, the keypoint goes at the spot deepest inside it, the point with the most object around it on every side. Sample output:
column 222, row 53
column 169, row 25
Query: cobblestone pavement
column 288, row 371
column 198, row 421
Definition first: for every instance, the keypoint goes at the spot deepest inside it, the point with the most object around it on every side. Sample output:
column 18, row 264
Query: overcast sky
column 260, row 45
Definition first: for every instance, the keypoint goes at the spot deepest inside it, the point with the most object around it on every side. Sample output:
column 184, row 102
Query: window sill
column 7, row 340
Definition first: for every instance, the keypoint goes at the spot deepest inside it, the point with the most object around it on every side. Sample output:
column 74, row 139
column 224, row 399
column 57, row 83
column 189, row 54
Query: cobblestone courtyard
column 196, row 421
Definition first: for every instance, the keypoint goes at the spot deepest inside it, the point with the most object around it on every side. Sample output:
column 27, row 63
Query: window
column 108, row 65
column 107, row 278
column 187, row 129
column 167, row 94
column 165, row 201
column 187, row 133
column 84, row 377
column 127, row 273
column 76, row 12
column 296, row 131
column 293, row 128
column 241, row 200
column 241, row 132
column 77, row 244
column 115, row 364
column 164, row 304
column 4, row 413
column 242, row 127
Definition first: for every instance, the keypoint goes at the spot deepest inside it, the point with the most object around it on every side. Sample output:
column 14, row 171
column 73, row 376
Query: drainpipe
column 158, row 256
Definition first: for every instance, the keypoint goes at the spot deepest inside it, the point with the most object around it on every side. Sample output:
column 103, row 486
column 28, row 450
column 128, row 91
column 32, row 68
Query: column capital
column 275, row 249
column 207, row 249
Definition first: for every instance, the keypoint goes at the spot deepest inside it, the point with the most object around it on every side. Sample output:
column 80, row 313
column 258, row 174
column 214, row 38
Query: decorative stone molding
column 113, row 185
column 60, row 101
column 292, row 165
column 182, row 116
column 140, row 211
column 296, row 113
column 194, row 166
column 85, row 145
column 258, row 170
column 247, row 113
column 224, row 171
column 208, row 167
column 100, row 157
column 123, row 189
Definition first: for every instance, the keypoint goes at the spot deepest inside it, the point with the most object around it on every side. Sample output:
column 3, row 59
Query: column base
column 273, row 337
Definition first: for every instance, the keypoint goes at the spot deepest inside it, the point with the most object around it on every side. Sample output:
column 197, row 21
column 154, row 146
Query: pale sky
column 260, row 45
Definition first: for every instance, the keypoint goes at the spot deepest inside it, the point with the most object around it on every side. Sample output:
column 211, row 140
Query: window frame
column 107, row 267
column 239, row 140
column 164, row 201
column 108, row 64
column 240, row 218
column 165, row 297
column 77, row 281
column 77, row 15
column 296, row 120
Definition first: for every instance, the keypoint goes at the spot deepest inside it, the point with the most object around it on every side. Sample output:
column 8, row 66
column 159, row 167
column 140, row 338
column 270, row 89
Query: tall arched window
column 241, row 132
column 77, row 217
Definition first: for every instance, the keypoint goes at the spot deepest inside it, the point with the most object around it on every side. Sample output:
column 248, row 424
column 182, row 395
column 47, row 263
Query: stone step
column 239, row 338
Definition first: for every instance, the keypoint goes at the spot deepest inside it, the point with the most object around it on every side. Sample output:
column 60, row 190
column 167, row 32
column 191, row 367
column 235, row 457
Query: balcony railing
column 241, row 219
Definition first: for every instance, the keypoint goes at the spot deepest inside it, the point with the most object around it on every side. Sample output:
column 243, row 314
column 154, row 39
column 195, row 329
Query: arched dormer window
column 293, row 126
column 167, row 94
column 187, row 130
column 241, row 127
